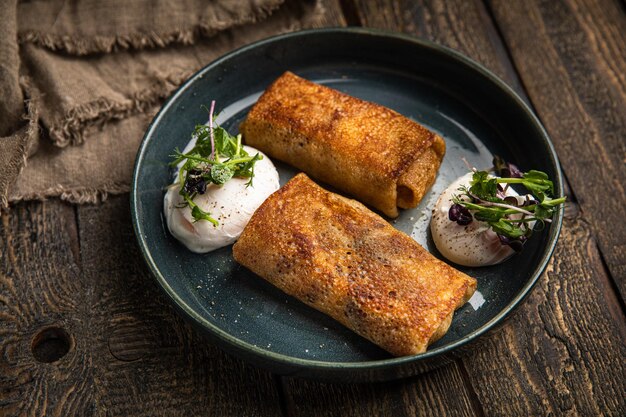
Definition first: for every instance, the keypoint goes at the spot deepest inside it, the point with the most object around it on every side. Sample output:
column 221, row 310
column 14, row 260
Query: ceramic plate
column 476, row 113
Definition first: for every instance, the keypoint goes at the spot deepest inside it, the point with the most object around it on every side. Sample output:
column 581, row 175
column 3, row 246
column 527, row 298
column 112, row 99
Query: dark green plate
column 474, row 111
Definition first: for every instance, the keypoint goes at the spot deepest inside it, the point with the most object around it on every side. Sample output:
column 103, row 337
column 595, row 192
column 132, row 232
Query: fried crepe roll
column 371, row 152
column 342, row 259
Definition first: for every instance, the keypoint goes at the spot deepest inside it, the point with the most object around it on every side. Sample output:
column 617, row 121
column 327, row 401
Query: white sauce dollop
column 472, row 245
column 231, row 204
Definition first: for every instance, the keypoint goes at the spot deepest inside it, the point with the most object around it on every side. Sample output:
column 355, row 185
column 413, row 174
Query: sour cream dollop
column 231, row 204
column 472, row 245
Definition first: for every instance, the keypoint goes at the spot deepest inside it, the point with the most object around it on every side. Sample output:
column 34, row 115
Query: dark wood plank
column 145, row 359
column 421, row 395
column 588, row 308
column 465, row 26
column 459, row 24
column 441, row 392
column 129, row 352
column 41, row 288
column 571, row 56
column 563, row 352
column 332, row 14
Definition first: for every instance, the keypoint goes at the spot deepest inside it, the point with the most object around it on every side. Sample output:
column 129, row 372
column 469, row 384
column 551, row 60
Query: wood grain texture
column 428, row 394
column 563, row 352
column 549, row 360
column 332, row 14
column 130, row 352
column 463, row 25
column 425, row 395
column 571, row 56
column 438, row 393
column 146, row 360
column 41, row 286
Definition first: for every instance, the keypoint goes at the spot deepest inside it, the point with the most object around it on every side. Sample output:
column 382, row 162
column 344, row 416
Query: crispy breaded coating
column 339, row 257
column 375, row 154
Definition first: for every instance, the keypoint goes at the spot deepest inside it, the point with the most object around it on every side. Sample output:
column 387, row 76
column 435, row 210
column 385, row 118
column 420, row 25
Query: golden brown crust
column 359, row 147
column 337, row 256
column 418, row 178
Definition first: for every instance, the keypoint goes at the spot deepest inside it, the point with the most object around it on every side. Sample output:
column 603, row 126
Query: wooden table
column 85, row 331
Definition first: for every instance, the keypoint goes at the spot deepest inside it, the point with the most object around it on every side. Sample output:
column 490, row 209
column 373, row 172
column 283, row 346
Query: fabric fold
column 86, row 173
column 80, row 93
column 95, row 26
column 11, row 105
column 16, row 137
column 94, row 109
column 14, row 150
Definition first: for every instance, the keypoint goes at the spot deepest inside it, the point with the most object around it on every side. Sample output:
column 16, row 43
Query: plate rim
column 291, row 361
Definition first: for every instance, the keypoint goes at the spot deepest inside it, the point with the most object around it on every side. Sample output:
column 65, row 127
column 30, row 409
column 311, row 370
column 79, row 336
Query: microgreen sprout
column 513, row 219
column 216, row 157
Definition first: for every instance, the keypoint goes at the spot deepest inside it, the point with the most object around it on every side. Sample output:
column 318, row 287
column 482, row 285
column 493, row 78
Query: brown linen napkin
column 86, row 173
column 103, row 103
column 11, row 104
column 91, row 26
column 78, row 92
column 75, row 95
column 18, row 126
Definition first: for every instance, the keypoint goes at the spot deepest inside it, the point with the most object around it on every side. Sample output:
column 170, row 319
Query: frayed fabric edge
column 75, row 195
column 28, row 137
column 80, row 45
column 70, row 130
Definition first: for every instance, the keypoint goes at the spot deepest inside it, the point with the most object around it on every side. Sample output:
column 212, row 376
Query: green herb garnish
column 486, row 200
column 216, row 158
